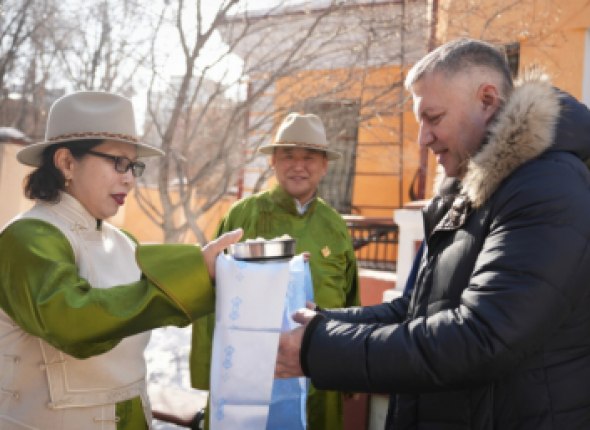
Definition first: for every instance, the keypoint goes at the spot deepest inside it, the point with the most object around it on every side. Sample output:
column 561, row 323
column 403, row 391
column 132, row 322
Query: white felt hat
column 86, row 115
column 301, row 131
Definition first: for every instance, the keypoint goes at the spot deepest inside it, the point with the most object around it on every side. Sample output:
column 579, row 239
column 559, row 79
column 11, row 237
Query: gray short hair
column 460, row 55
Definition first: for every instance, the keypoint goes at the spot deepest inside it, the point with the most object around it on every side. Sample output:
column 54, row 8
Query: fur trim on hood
column 522, row 130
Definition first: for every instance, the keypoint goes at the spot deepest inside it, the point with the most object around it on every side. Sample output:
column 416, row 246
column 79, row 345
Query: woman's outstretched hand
column 213, row 248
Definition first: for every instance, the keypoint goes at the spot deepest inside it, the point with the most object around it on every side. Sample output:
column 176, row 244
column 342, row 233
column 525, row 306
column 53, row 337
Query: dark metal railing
column 374, row 240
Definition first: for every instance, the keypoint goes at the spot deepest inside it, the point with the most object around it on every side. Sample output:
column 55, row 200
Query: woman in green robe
column 77, row 295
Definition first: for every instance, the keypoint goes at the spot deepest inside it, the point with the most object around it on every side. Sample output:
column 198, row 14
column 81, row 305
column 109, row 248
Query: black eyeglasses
column 122, row 164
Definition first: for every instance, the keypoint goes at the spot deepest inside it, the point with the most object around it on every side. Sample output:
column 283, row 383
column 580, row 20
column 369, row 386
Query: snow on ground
column 167, row 362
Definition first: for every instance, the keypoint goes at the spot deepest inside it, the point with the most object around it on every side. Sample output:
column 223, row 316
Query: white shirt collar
column 302, row 208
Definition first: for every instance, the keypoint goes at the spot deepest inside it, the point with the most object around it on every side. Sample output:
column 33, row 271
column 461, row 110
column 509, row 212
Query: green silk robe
column 322, row 232
column 42, row 292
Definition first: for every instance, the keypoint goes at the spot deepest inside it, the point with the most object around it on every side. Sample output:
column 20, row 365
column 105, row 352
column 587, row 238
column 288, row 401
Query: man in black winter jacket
column 496, row 333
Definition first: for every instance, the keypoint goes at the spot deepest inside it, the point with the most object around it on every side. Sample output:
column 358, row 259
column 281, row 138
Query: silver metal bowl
column 263, row 250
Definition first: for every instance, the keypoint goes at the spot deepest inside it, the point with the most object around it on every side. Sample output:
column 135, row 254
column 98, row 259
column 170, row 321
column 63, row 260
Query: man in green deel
column 299, row 158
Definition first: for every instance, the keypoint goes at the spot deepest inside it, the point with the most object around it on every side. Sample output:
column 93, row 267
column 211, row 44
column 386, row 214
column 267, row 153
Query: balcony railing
column 375, row 241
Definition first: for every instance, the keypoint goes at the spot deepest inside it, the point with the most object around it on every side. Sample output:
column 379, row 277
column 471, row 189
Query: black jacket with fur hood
column 496, row 334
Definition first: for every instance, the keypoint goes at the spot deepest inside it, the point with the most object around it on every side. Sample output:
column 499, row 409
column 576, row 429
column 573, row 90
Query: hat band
column 117, row 136
column 307, row 145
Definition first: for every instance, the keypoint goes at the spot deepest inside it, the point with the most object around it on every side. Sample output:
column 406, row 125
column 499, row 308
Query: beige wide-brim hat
column 87, row 115
column 301, row 131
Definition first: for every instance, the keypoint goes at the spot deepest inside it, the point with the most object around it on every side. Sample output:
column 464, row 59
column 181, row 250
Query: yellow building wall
column 133, row 219
column 551, row 34
column 386, row 135
column 12, row 175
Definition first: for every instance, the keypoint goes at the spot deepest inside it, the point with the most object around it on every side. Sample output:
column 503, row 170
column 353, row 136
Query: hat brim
column 269, row 149
column 32, row 155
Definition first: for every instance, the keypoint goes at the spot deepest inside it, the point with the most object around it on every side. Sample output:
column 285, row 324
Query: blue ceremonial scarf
column 289, row 396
